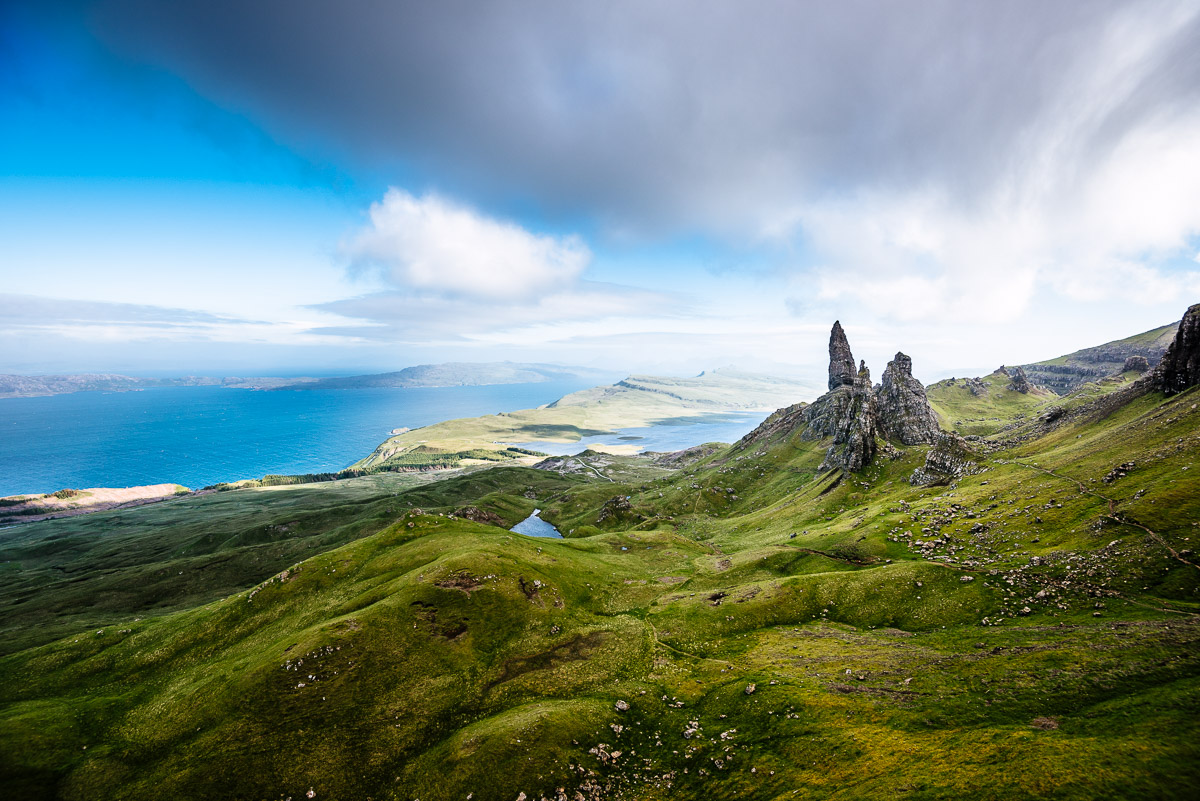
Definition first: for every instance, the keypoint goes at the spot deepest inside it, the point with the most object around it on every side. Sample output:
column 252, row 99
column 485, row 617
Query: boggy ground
column 727, row 625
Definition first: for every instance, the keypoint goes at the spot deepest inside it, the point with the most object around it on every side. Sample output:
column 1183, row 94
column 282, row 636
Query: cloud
column 433, row 244
column 31, row 311
column 93, row 322
column 405, row 316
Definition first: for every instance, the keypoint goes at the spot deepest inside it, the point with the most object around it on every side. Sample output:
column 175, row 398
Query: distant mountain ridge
column 1067, row 373
column 449, row 374
column 31, row 386
column 454, row 374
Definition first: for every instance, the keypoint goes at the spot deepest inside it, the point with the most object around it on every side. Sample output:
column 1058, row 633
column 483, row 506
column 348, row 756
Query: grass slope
column 729, row 625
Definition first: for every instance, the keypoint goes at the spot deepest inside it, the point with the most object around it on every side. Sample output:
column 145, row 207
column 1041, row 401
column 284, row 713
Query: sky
column 301, row 187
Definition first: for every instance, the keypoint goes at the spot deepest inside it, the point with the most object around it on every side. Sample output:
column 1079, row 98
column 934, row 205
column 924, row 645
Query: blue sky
column 311, row 187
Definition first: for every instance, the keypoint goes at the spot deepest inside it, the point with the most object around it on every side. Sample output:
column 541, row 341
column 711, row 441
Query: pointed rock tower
column 841, row 360
column 904, row 410
column 847, row 412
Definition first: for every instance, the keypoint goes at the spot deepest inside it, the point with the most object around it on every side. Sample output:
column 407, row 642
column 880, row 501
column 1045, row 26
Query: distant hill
column 30, row 386
column 455, row 374
column 633, row 402
column 1067, row 373
column 450, row 374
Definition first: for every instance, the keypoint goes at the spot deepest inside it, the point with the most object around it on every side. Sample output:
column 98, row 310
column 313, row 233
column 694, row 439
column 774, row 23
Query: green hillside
column 723, row 623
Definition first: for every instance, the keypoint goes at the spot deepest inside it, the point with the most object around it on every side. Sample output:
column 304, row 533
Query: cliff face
column 904, row 411
column 1180, row 365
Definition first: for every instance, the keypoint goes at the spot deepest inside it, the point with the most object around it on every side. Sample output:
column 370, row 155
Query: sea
column 197, row 436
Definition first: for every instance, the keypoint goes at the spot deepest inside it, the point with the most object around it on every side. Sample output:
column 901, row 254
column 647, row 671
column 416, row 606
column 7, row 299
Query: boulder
column 948, row 459
column 1137, row 364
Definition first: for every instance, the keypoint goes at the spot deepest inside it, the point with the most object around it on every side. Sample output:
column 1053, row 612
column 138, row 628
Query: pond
column 534, row 526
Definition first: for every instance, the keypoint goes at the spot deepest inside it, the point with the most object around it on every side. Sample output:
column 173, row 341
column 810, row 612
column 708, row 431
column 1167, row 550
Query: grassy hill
column 723, row 623
column 636, row 401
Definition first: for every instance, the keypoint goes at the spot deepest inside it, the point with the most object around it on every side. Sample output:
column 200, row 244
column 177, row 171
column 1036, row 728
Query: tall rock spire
column 841, row 360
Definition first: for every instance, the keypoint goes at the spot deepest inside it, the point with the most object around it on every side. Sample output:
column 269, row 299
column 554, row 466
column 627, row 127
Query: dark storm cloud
column 646, row 114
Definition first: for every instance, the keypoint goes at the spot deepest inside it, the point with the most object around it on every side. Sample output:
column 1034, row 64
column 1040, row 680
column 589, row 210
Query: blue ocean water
column 198, row 436
column 670, row 435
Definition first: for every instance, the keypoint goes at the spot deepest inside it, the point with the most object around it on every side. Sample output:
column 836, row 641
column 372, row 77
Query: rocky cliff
column 1180, row 365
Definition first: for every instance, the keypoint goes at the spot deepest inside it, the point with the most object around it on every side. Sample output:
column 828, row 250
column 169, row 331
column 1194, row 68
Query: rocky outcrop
column 1136, row 364
column 841, row 360
column 849, row 415
column 855, row 414
column 904, row 411
column 1180, row 365
column 948, row 459
column 1018, row 381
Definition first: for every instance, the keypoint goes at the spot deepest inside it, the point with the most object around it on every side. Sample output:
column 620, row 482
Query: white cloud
column 430, row 243
column 1099, row 201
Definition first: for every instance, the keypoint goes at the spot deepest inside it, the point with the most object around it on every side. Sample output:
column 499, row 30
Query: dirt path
column 1112, row 513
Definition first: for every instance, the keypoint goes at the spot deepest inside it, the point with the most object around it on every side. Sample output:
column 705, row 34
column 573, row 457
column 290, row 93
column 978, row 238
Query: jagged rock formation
column 948, row 459
column 847, row 412
column 1137, row 364
column 904, row 411
column 1180, row 365
column 855, row 414
column 1019, row 381
column 850, row 416
column 841, row 360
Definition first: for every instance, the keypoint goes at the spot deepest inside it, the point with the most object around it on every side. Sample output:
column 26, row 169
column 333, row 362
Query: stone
column 621, row 706
column 1019, row 381
column 1137, row 364
column 903, row 408
column 949, row 458
column 841, row 360
column 1180, row 365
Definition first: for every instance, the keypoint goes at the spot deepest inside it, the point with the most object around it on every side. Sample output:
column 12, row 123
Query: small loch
column 534, row 526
